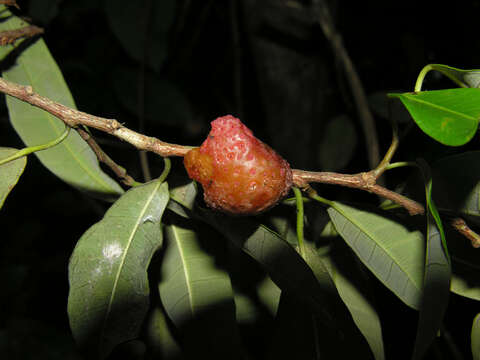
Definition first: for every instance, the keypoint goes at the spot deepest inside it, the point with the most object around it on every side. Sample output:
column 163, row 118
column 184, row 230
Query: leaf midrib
column 339, row 210
column 414, row 98
column 181, row 253
column 124, row 255
column 66, row 144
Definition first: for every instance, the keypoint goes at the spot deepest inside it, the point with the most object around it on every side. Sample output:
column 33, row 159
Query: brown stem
column 362, row 181
column 73, row 117
column 107, row 160
column 10, row 36
column 461, row 226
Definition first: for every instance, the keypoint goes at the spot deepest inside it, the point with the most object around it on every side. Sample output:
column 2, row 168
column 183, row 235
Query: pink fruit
column 239, row 173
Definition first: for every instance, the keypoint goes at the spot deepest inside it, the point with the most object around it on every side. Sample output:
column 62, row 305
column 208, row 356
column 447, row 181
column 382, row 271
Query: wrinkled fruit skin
column 240, row 174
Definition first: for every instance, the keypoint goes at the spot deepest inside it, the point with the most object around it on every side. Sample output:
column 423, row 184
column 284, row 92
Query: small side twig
column 363, row 181
column 461, row 226
column 107, row 160
column 10, row 36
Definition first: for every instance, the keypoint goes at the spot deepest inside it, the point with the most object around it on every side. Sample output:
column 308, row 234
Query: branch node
column 29, row 90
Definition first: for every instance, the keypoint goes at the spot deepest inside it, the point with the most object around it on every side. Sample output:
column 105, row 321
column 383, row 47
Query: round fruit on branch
column 240, row 174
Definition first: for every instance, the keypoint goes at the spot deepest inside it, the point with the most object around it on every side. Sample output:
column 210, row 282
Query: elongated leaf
column 353, row 288
column 198, row 295
column 108, row 270
column 465, row 281
column 449, row 116
column 160, row 340
column 302, row 334
column 284, row 265
column 475, row 338
column 10, row 172
column 73, row 161
column 391, row 251
column 436, row 287
column 463, row 78
column 247, row 310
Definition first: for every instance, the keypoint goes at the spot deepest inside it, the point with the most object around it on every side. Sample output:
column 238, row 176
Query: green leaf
column 197, row 295
column 391, row 251
column 463, row 78
column 159, row 337
column 465, row 281
column 449, row 116
column 73, row 161
column 284, row 265
column 10, row 172
column 183, row 197
column 475, row 338
column 109, row 291
column 247, row 309
column 352, row 286
column 436, row 287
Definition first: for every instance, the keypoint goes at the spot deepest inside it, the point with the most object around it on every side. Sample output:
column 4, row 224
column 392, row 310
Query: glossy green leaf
column 436, row 286
column 73, row 161
column 197, row 294
column 352, row 286
column 475, row 338
column 449, row 116
column 10, row 172
column 393, row 253
column 109, row 291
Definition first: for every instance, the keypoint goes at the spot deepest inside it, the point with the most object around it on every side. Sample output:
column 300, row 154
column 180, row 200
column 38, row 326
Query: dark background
column 265, row 61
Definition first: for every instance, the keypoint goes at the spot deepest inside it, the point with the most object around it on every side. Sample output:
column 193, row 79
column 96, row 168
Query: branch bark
column 10, row 36
column 363, row 181
column 73, row 118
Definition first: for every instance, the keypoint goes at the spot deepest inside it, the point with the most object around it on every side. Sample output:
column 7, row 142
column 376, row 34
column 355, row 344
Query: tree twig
column 461, row 226
column 363, row 181
column 107, row 160
column 73, row 117
column 10, row 36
